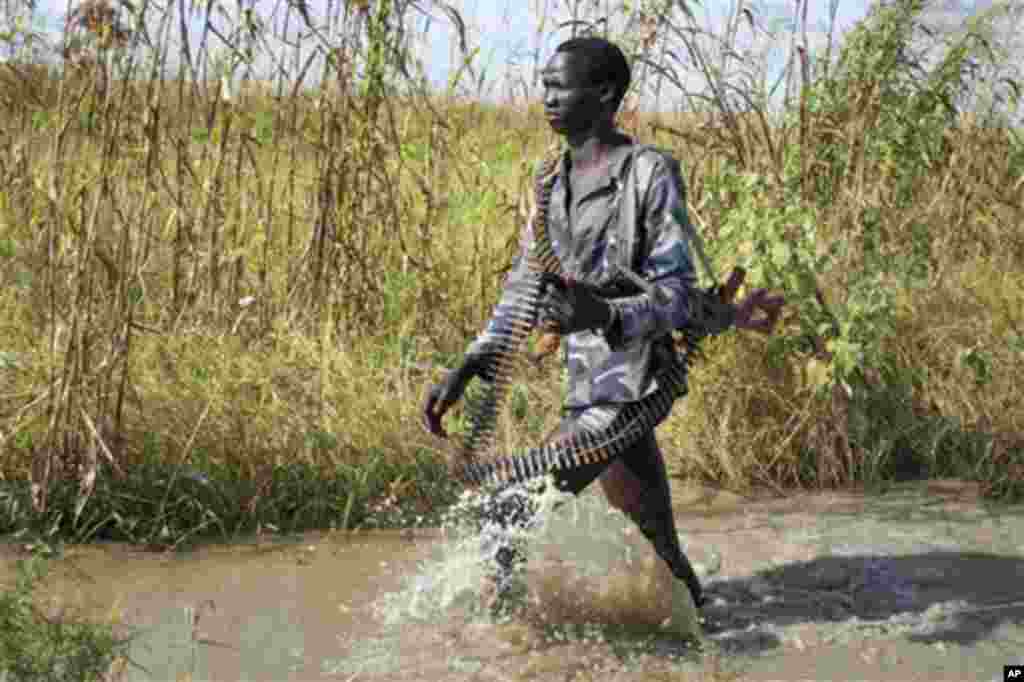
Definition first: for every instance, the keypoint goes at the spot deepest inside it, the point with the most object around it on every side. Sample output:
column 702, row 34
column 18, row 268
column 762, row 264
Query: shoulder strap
column 631, row 230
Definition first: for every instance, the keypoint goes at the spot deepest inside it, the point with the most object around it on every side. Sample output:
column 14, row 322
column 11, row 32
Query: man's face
column 571, row 104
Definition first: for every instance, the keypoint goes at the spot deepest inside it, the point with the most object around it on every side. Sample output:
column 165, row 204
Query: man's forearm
column 655, row 312
column 666, row 305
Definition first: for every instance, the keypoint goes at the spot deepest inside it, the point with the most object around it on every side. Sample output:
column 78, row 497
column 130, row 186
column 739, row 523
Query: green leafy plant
column 35, row 645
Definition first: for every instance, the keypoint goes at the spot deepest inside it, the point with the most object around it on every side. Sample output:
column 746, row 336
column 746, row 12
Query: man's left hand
column 748, row 307
column 570, row 306
column 759, row 300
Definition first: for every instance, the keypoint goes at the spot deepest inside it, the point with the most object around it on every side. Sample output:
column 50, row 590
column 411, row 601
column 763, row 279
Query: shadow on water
column 927, row 563
column 932, row 597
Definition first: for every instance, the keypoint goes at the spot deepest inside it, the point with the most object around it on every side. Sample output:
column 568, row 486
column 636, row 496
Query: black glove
column 567, row 307
column 443, row 395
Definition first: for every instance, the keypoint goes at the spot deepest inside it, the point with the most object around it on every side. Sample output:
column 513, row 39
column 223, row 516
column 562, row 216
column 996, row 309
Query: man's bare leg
column 636, row 483
column 508, row 509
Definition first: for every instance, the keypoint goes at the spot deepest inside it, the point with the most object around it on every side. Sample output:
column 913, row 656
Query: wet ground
column 924, row 583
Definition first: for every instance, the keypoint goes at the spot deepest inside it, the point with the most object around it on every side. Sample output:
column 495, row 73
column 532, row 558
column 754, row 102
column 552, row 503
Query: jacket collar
column 616, row 170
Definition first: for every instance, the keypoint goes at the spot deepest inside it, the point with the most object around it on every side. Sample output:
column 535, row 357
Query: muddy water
column 925, row 583
column 247, row 612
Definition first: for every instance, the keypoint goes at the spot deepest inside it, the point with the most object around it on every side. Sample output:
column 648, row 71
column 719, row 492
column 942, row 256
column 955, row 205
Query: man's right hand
column 443, row 395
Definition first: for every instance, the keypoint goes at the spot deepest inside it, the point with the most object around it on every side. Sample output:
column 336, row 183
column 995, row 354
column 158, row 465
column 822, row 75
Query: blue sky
column 506, row 31
column 508, row 27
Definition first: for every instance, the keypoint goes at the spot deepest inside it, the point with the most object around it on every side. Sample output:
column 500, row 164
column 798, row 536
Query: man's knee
column 623, row 490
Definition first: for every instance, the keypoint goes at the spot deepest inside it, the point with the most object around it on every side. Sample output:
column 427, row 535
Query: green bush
column 40, row 647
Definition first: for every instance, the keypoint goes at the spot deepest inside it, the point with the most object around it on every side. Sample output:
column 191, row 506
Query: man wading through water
column 615, row 347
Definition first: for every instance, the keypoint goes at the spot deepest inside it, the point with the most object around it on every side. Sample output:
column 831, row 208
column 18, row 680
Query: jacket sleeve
column 667, row 262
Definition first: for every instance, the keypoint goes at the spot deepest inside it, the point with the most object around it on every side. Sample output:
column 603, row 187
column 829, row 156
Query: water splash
column 588, row 571
column 586, row 563
column 449, row 582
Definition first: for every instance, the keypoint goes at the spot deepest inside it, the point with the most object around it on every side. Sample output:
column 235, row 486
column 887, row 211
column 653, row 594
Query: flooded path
column 272, row 611
column 925, row 583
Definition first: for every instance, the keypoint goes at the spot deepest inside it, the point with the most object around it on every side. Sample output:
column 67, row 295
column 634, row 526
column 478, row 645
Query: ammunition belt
column 581, row 447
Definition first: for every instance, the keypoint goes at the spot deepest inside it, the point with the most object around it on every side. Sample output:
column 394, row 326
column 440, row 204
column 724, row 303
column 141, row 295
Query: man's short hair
column 605, row 63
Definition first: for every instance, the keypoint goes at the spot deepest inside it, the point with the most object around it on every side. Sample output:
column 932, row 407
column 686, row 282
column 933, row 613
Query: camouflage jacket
column 601, row 369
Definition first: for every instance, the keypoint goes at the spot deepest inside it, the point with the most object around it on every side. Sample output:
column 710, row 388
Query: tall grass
column 892, row 223
column 219, row 307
